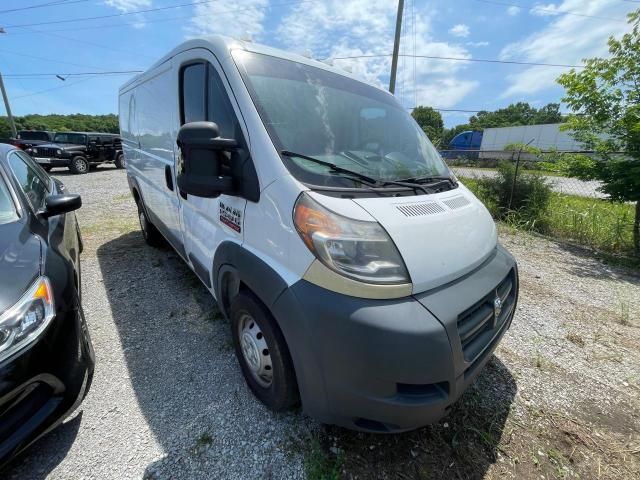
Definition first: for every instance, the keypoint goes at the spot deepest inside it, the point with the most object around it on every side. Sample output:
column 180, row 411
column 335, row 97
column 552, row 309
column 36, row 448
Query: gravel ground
column 559, row 400
column 569, row 186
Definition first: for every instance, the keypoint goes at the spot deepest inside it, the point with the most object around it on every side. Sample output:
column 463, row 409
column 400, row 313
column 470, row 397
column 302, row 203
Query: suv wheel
column 79, row 165
column 150, row 233
column 262, row 353
column 120, row 161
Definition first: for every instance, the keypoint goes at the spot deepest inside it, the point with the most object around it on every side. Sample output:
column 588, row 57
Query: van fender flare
column 234, row 265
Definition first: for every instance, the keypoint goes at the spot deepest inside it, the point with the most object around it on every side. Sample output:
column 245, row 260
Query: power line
column 86, row 42
column 47, row 59
column 550, row 10
column 72, row 74
column 50, row 89
column 459, row 59
column 112, row 15
column 171, row 19
column 42, row 5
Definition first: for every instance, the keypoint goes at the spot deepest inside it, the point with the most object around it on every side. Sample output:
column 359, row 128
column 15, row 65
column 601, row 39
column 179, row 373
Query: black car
column 46, row 356
column 79, row 151
column 30, row 138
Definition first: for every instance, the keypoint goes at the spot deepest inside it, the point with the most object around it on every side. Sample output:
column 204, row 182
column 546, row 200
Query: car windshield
column 28, row 135
column 76, row 138
column 331, row 117
column 7, row 207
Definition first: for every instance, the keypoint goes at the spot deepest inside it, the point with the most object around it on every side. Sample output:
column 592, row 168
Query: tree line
column 516, row 114
column 62, row 123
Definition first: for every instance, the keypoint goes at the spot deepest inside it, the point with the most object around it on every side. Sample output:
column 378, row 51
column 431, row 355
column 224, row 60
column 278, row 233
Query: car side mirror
column 59, row 204
column 200, row 168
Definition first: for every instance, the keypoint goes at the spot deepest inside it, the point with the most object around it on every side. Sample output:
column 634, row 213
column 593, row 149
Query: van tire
column 281, row 393
column 119, row 161
column 79, row 165
column 149, row 231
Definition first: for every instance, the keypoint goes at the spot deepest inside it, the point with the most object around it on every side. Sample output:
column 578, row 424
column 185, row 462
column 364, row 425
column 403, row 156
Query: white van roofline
column 221, row 46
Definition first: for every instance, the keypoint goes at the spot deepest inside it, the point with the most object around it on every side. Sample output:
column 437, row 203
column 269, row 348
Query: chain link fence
column 574, row 210
column 474, row 164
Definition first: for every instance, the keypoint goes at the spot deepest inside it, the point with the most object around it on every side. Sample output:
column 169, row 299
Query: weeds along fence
column 526, row 191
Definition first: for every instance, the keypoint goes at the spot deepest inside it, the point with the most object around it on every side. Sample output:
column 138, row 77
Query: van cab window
column 193, row 93
column 32, row 180
column 205, row 98
column 336, row 119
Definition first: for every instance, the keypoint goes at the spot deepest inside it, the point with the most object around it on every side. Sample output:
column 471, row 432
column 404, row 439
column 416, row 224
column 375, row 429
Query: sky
column 56, row 37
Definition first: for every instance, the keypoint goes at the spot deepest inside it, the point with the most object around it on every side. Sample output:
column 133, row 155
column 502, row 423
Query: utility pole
column 396, row 47
column 8, row 108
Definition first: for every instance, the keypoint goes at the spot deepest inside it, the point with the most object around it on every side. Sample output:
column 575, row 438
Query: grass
column 320, row 465
column 596, row 223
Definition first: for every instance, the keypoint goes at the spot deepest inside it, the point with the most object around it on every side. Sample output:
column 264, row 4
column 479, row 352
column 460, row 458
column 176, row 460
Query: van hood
column 20, row 257
column 440, row 237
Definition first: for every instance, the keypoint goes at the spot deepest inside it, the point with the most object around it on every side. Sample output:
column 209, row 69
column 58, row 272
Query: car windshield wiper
column 333, row 167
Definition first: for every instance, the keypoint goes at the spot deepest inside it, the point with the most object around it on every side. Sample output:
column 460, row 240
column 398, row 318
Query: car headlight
column 27, row 319
column 356, row 249
column 59, row 152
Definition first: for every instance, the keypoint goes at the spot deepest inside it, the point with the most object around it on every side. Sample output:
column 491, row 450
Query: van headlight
column 27, row 319
column 357, row 249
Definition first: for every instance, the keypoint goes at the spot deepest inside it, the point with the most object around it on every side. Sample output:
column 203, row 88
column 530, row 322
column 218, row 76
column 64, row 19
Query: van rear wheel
column 262, row 353
column 79, row 165
column 150, row 233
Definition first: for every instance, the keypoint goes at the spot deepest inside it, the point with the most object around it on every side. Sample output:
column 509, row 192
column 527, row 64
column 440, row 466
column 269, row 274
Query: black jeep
column 79, row 151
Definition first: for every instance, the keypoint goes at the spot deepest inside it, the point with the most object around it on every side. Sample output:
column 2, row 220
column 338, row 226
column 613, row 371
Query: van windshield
column 331, row 117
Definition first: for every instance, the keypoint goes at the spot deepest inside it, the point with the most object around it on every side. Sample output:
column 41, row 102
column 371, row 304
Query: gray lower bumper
column 390, row 365
column 53, row 162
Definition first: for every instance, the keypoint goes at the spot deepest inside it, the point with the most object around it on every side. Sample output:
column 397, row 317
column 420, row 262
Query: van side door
column 206, row 222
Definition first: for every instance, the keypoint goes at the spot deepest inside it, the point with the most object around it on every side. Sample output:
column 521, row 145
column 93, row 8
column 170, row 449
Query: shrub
column 528, row 205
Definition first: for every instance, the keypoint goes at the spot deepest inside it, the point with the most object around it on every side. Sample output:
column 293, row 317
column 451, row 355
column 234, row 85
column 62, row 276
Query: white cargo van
column 359, row 276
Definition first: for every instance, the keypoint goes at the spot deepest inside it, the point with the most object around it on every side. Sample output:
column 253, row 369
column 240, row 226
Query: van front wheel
column 149, row 231
column 262, row 353
column 120, row 161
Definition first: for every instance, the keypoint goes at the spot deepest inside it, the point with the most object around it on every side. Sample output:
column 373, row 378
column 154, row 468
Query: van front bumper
column 395, row 365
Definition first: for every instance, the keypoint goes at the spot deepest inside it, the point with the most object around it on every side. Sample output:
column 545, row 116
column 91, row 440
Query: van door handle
column 168, row 177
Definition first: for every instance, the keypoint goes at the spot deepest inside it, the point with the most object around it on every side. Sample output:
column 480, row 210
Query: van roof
column 221, row 46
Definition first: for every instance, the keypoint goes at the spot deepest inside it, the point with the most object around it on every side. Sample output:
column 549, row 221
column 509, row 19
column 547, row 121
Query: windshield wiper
column 333, row 167
column 363, row 178
column 432, row 180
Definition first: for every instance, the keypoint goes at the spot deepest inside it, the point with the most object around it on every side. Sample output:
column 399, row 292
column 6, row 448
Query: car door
column 206, row 222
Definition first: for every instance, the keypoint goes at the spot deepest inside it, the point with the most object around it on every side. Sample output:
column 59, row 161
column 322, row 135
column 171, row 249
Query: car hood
column 441, row 237
column 20, row 259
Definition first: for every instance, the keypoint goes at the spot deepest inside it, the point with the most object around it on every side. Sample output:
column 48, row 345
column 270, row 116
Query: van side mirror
column 200, row 168
column 59, row 204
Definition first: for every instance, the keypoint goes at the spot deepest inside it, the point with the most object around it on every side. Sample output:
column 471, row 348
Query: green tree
column 430, row 121
column 520, row 113
column 60, row 123
column 607, row 94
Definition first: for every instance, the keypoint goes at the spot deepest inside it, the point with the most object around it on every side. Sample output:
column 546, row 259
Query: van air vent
column 420, row 209
column 456, row 202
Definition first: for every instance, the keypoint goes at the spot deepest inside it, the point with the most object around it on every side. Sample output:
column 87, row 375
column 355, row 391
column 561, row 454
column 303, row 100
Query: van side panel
column 154, row 161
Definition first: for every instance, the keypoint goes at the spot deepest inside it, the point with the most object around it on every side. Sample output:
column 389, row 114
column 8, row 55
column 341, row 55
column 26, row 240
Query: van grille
column 420, row 209
column 478, row 325
column 44, row 152
column 456, row 202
